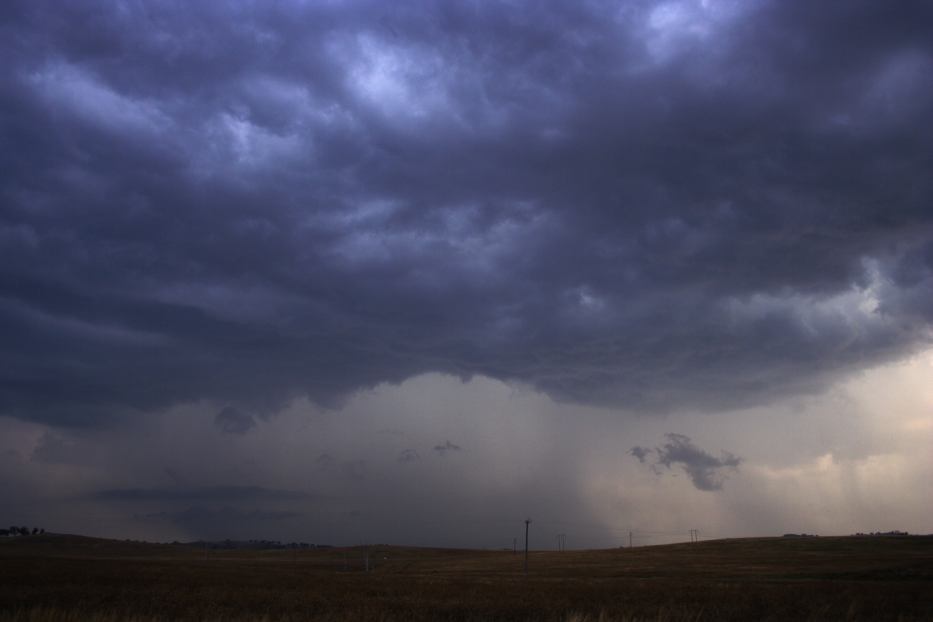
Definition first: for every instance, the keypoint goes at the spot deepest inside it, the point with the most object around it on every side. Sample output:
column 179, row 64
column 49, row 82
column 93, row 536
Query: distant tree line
column 884, row 533
column 21, row 531
column 253, row 544
column 873, row 533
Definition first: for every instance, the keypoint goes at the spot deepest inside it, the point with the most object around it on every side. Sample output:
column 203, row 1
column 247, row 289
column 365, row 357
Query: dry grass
column 65, row 579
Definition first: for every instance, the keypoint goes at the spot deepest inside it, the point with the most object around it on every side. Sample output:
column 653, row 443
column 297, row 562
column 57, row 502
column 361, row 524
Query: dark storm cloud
column 233, row 421
column 706, row 471
column 650, row 206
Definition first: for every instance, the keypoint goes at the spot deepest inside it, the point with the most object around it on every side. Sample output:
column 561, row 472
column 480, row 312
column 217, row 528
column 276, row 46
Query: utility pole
column 629, row 539
column 561, row 539
column 527, row 522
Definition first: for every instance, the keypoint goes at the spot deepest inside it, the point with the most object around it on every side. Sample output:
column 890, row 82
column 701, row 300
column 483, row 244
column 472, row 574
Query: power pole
column 527, row 522
column 629, row 539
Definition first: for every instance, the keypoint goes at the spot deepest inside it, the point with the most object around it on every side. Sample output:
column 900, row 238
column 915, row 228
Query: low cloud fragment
column 408, row 456
column 175, row 477
column 444, row 448
column 325, row 462
column 354, row 469
column 640, row 452
column 391, row 432
column 54, row 449
column 350, row 469
column 233, row 421
column 706, row 471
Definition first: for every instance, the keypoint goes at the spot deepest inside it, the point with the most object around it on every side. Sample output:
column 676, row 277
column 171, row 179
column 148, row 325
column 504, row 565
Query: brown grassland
column 69, row 578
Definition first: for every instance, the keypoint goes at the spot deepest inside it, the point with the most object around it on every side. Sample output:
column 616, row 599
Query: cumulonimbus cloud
column 250, row 204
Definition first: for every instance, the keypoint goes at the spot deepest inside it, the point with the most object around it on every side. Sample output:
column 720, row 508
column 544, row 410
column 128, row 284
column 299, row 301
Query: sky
column 354, row 272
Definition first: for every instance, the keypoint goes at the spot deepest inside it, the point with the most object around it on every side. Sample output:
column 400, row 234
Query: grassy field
column 68, row 578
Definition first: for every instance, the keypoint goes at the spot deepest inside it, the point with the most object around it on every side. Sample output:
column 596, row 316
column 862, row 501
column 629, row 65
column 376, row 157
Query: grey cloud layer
column 652, row 206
